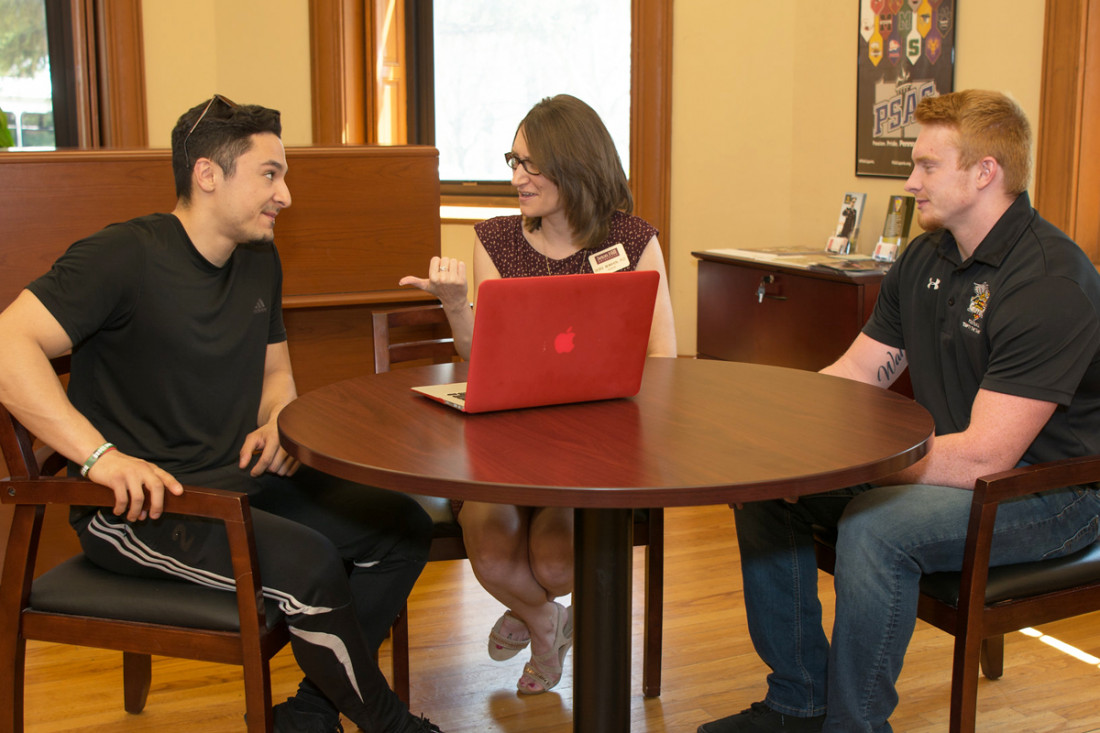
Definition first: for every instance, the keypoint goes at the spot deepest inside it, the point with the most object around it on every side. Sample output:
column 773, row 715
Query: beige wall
column 763, row 139
column 252, row 51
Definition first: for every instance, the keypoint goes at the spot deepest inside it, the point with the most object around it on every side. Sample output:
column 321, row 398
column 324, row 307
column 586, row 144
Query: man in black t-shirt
column 996, row 314
column 180, row 367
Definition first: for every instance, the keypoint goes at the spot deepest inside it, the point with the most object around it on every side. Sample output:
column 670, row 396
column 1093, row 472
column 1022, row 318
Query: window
column 492, row 60
column 25, row 89
column 346, row 79
column 76, row 68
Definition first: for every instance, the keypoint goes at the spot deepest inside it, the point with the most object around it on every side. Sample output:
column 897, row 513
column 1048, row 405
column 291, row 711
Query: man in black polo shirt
column 996, row 313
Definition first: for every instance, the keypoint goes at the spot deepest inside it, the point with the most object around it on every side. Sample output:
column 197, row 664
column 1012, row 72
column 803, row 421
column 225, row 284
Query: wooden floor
column 710, row 669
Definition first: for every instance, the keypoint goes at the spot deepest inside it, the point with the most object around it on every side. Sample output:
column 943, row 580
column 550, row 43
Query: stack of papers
column 808, row 259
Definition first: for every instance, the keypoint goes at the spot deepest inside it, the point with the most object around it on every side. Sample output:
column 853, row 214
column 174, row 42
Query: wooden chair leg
column 137, row 675
column 964, row 683
column 401, row 655
column 13, row 651
column 653, row 634
column 259, row 715
column 993, row 657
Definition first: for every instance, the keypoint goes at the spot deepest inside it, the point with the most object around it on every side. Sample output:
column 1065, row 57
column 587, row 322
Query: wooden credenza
column 765, row 313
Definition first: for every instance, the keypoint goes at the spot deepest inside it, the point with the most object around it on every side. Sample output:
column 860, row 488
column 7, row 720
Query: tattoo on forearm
column 892, row 367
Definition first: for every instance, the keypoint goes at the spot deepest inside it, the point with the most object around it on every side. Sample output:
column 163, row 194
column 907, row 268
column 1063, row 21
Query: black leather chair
column 420, row 334
column 980, row 604
column 81, row 604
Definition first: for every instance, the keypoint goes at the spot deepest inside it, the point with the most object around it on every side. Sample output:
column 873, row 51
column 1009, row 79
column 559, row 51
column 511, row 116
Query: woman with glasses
column 575, row 205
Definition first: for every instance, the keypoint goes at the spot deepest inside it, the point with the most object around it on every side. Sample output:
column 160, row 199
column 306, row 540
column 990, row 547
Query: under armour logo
column 260, row 307
column 933, row 283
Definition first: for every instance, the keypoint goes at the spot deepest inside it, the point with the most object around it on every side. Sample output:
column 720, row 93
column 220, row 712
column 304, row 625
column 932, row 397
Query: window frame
column 97, row 62
column 420, row 67
column 339, row 107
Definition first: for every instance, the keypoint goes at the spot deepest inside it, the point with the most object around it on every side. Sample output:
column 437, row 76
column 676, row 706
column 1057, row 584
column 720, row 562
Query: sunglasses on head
column 216, row 98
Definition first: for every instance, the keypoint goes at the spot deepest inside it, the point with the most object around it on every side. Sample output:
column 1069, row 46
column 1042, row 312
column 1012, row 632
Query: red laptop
column 554, row 340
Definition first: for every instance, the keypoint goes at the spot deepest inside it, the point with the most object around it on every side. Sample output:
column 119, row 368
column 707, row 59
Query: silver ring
column 442, row 268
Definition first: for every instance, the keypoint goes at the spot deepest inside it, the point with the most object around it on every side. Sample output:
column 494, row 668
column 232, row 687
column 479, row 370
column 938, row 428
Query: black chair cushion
column 1007, row 582
column 80, row 587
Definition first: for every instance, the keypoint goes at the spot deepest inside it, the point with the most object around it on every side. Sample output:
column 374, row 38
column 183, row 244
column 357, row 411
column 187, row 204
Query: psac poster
column 906, row 53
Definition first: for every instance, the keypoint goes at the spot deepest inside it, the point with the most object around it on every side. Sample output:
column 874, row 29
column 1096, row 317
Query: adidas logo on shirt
column 260, row 306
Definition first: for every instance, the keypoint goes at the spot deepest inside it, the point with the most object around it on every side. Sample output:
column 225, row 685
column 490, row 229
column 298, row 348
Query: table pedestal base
column 603, row 539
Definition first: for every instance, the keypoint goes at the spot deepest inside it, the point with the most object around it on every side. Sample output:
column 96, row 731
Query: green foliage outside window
column 23, row 47
column 6, row 140
column 24, row 53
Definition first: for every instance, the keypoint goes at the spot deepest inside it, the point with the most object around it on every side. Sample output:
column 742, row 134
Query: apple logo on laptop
column 563, row 342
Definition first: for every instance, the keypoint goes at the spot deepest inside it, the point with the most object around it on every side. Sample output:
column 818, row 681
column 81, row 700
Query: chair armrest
column 195, row 501
column 1038, row 477
column 989, row 491
column 230, row 507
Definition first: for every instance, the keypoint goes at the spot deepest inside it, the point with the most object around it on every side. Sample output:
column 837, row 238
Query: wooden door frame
column 1067, row 179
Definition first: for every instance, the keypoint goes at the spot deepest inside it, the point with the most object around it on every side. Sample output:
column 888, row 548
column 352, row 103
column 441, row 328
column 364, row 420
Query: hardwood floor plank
column 710, row 669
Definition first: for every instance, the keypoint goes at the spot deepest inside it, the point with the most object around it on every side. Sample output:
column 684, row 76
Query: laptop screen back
column 559, row 339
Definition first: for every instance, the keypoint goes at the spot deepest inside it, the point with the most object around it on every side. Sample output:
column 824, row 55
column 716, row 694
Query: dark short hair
column 986, row 123
column 223, row 135
column 569, row 144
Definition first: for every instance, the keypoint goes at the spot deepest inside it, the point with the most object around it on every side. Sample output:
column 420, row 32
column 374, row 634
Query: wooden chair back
column 421, row 334
column 413, row 334
column 81, row 604
column 980, row 604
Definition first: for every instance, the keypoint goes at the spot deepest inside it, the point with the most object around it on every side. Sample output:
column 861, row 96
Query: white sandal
column 539, row 674
column 503, row 646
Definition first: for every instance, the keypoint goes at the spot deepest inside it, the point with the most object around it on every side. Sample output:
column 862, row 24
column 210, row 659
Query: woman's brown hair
column 568, row 143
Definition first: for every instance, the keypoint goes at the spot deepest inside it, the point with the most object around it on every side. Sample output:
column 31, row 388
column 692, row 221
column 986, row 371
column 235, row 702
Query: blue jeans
column 886, row 538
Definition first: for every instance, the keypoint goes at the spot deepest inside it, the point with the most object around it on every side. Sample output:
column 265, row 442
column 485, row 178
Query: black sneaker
column 759, row 718
column 296, row 718
column 423, row 725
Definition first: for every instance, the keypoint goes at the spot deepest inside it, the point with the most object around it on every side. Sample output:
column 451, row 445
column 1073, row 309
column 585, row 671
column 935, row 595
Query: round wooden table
column 699, row 432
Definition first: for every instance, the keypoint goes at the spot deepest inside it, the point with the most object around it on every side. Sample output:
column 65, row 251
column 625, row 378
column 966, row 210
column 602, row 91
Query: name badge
column 611, row 259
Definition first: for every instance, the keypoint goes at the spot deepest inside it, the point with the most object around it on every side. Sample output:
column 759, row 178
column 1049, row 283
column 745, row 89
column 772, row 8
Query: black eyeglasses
column 514, row 161
column 216, row 98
